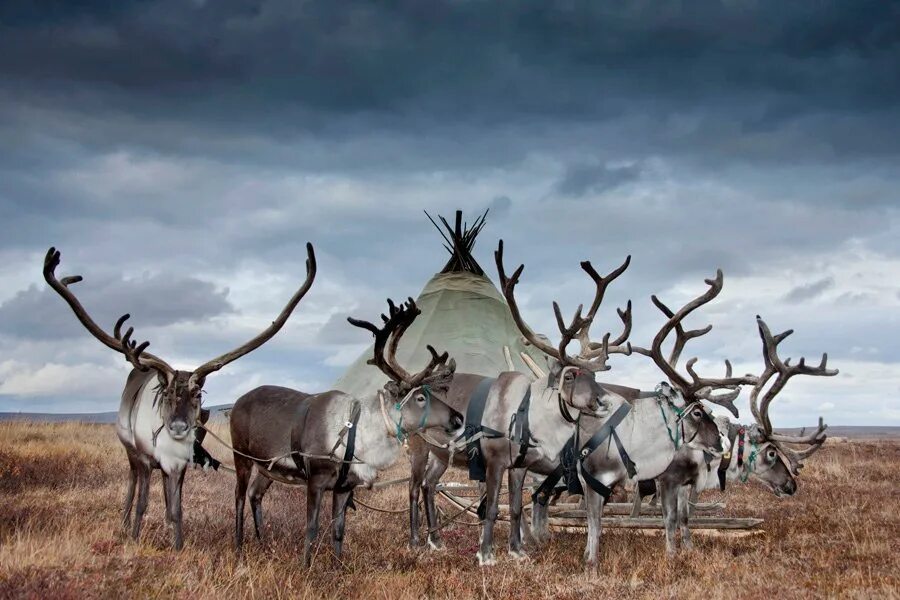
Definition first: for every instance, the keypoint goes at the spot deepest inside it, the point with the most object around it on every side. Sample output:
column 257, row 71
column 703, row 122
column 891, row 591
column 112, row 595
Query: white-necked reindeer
column 309, row 434
column 570, row 385
column 160, row 405
column 754, row 451
column 655, row 428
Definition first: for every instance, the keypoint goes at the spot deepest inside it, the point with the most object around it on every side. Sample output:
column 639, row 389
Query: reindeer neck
column 645, row 434
column 375, row 446
column 546, row 422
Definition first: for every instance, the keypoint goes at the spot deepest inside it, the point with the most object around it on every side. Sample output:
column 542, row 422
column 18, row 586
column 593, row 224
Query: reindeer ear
column 162, row 378
column 392, row 390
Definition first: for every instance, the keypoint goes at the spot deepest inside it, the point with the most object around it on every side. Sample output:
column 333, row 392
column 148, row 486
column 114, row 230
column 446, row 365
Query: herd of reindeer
column 564, row 425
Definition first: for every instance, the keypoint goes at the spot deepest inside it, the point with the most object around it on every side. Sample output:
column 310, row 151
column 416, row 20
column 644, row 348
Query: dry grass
column 61, row 487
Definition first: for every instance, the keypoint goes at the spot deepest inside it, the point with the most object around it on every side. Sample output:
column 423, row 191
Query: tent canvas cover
column 463, row 313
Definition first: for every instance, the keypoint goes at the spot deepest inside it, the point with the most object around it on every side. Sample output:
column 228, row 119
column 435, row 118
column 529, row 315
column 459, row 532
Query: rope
column 272, row 461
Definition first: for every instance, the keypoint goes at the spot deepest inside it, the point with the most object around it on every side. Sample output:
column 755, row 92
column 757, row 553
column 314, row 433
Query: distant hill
column 218, row 412
column 854, row 432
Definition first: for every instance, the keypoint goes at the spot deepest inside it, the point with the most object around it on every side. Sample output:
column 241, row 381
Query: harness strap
column 302, row 462
column 566, row 469
column 474, row 414
column 519, row 432
column 630, row 467
column 726, row 461
column 351, row 427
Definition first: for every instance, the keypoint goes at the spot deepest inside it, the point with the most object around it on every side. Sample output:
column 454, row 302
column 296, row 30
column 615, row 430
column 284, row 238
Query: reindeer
column 160, row 405
column 546, row 416
column 654, row 429
column 289, row 436
column 754, row 451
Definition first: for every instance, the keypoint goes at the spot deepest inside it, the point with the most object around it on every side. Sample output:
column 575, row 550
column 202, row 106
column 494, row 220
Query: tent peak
column 460, row 243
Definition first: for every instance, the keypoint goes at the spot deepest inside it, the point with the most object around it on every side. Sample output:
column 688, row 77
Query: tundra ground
column 62, row 485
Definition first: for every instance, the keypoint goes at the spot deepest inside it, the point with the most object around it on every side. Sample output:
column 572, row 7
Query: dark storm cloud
column 755, row 80
column 152, row 301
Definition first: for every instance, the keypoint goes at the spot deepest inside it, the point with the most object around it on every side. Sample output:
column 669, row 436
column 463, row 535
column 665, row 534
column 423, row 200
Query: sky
column 181, row 153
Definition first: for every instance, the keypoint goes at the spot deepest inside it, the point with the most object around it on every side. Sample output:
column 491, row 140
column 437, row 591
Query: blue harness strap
column 474, row 414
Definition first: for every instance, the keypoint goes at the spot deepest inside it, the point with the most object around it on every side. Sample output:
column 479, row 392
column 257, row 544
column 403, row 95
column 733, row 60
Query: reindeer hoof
column 435, row 544
column 519, row 555
column 485, row 561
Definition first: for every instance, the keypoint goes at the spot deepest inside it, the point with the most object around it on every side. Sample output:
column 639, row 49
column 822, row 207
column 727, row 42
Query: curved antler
column 783, row 371
column 267, row 334
column 136, row 355
column 592, row 356
column 387, row 339
column 702, row 388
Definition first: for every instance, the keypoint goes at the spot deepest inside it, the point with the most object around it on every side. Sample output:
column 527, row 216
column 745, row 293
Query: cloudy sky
column 181, row 153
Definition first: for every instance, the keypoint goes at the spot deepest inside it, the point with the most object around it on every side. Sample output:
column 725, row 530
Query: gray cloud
column 579, row 180
column 809, row 291
column 152, row 301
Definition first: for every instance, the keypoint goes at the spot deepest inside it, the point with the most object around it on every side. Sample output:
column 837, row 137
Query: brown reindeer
column 289, row 436
column 160, row 405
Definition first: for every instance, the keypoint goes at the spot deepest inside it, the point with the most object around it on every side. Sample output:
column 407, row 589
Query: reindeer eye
column 772, row 455
column 569, row 376
column 698, row 414
column 420, row 398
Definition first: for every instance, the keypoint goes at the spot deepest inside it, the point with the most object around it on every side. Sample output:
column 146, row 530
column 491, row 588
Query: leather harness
column 739, row 434
column 571, row 463
column 474, row 414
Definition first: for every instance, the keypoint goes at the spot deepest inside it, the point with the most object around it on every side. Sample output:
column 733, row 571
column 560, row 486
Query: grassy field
column 61, row 489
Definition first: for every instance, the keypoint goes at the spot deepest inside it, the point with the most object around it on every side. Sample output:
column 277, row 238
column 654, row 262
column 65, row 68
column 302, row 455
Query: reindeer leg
column 165, row 495
column 516, row 479
column 418, row 461
column 685, row 493
column 143, row 482
column 540, row 526
column 313, row 504
column 243, row 467
column 338, row 519
column 594, row 504
column 258, row 489
column 669, row 502
column 494, row 476
column 129, row 493
column 436, row 469
column 173, row 484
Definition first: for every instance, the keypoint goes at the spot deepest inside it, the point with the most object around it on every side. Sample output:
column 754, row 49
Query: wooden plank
column 577, row 519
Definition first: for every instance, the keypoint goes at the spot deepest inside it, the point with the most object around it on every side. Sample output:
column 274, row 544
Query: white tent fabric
column 463, row 314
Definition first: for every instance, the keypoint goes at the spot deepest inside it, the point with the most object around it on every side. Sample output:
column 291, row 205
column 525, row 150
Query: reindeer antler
column 783, row 371
column 387, row 339
column 267, row 334
column 136, row 355
column 701, row 388
column 593, row 356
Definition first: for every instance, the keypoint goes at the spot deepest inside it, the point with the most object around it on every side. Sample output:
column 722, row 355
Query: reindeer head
column 416, row 399
column 775, row 462
column 688, row 395
column 178, row 392
column 573, row 376
column 696, row 426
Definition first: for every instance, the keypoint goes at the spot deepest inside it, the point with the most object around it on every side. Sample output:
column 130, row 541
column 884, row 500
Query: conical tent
column 463, row 313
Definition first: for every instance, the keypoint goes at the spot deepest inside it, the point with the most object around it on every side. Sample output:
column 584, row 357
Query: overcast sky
column 180, row 154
